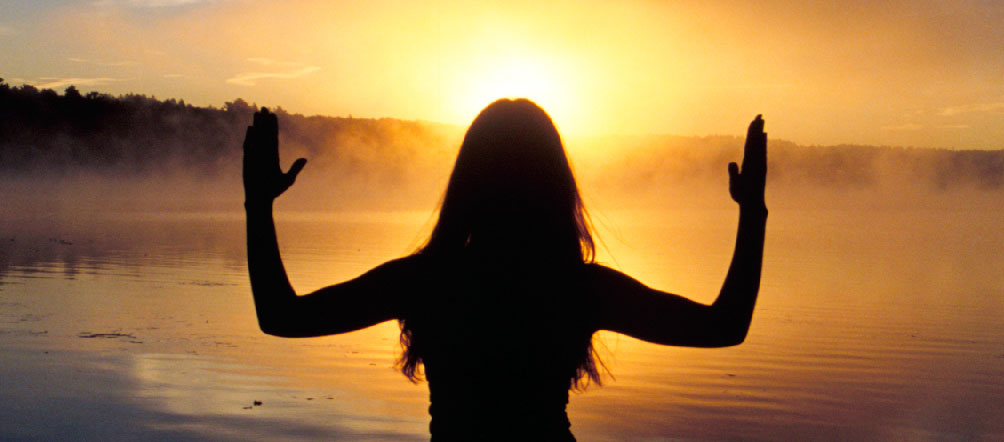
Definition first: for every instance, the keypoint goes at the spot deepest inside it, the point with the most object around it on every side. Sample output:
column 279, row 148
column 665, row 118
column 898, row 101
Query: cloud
column 907, row 126
column 975, row 107
column 103, row 63
column 267, row 61
column 60, row 82
column 147, row 3
column 914, row 127
column 284, row 70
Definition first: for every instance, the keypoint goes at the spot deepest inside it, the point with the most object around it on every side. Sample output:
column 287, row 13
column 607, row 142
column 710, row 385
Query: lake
column 871, row 325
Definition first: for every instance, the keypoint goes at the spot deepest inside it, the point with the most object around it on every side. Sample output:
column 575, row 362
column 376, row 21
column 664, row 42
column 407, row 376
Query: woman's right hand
column 747, row 186
column 263, row 179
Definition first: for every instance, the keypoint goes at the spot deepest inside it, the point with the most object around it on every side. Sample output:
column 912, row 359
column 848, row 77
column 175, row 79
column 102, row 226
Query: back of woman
column 500, row 305
column 500, row 345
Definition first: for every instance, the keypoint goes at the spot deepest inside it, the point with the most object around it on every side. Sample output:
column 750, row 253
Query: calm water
column 874, row 326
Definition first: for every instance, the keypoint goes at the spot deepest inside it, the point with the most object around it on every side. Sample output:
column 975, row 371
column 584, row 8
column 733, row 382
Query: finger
column 259, row 117
column 271, row 129
column 267, row 131
column 756, row 126
column 755, row 145
column 750, row 134
column 759, row 150
column 734, row 180
column 755, row 129
column 295, row 169
column 270, row 119
column 247, row 139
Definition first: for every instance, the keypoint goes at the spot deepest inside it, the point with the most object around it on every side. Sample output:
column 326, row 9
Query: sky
column 907, row 73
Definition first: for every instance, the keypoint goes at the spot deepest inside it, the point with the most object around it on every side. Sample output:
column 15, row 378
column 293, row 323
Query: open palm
column 747, row 186
column 263, row 179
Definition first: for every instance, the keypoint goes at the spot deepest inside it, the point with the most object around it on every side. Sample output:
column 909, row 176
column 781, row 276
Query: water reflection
column 871, row 326
column 125, row 396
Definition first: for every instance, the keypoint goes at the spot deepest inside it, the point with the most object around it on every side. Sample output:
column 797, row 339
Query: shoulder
column 599, row 276
column 406, row 275
column 394, row 275
column 405, row 267
column 611, row 291
column 595, row 268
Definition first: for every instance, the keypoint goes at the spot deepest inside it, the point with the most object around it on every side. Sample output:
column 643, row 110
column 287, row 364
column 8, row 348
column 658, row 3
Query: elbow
column 734, row 340
column 728, row 338
column 737, row 337
column 278, row 331
column 275, row 319
column 270, row 328
column 732, row 328
column 275, row 327
column 724, row 342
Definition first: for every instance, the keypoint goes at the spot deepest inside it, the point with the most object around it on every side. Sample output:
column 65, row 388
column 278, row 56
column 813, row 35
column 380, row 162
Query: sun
column 546, row 81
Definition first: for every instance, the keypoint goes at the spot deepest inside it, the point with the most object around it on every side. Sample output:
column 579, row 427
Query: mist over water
column 98, row 152
column 880, row 314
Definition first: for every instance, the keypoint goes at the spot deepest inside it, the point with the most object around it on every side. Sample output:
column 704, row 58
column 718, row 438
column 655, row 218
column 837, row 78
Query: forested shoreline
column 65, row 135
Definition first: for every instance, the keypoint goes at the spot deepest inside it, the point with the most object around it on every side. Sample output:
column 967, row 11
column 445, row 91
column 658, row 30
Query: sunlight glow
column 543, row 80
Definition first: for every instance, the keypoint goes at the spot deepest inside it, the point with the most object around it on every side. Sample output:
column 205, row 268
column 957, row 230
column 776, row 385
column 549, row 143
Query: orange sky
column 918, row 73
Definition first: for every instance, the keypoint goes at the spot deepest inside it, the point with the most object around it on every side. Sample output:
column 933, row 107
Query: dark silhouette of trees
column 41, row 129
column 137, row 134
column 133, row 134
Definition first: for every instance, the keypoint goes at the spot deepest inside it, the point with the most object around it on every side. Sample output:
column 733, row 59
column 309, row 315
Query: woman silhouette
column 500, row 305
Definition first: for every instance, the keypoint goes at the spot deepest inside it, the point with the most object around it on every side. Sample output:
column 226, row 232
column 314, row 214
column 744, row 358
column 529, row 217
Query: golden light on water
column 876, row 320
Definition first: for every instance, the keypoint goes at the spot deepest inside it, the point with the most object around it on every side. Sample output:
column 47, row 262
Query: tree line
column 133, row 134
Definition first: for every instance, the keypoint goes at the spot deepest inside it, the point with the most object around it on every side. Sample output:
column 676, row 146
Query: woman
column 500, row 305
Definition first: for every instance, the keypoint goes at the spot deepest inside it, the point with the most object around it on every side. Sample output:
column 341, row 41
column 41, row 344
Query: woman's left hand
column 263, row 179
column 747, row 186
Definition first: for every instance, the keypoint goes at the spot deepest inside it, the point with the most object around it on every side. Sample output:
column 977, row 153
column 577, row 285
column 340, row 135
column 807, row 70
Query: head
column 512, row 194
column 512, row 190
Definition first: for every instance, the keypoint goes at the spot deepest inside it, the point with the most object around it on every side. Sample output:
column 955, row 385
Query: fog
column 649, row 171
column 75, row 155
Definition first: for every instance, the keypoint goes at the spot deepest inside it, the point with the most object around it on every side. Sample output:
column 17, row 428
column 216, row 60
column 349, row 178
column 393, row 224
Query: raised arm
column 627, row 306
column 337, row 309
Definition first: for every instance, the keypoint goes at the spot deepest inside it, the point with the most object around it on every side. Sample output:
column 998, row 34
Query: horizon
column 86, row 145
column 144, row 189
column 279, row 108
column 904, row 73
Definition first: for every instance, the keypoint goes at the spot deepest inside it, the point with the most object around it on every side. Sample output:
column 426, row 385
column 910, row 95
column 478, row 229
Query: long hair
column 511, row 188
